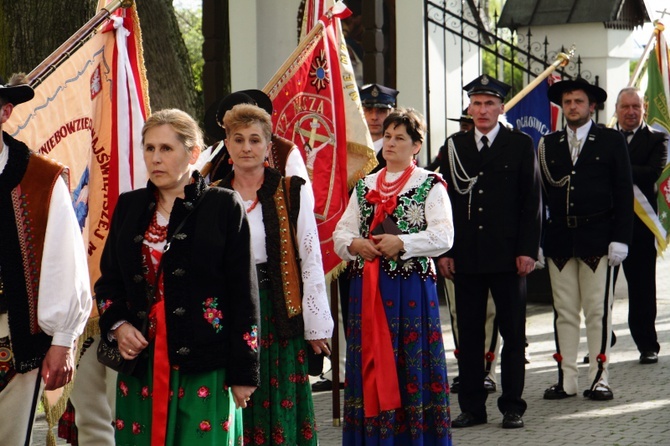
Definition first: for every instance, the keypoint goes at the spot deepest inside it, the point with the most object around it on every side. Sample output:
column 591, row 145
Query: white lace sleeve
column 315, row 307
column 439, row 234
column 347, row 229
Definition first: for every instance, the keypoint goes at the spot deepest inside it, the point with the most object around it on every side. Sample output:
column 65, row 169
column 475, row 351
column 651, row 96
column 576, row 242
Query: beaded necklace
column 155, row 233
column 253, row 205
column 390, row 189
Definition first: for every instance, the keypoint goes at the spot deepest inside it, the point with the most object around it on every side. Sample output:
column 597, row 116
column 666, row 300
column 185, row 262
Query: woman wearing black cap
column 283, row 156
column 294, row 304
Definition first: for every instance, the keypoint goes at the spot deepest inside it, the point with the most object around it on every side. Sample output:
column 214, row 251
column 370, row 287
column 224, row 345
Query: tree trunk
column 30, row 30
column 168, row 68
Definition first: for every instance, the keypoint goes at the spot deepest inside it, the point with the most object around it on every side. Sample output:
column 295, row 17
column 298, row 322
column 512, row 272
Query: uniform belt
column 575, row 221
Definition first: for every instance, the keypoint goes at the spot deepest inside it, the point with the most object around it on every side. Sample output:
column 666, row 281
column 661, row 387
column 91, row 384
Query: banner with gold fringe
column 88, row 114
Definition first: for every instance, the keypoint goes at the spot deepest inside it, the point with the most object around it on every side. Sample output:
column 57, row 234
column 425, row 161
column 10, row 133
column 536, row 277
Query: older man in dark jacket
column 494, row 187
column 647, row 149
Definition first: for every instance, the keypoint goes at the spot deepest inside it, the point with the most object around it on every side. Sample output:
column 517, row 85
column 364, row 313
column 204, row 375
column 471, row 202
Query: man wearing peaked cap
column 494, row 187
column 378, row 102
column 588, row 192
column 45, row 295
column 487, row 85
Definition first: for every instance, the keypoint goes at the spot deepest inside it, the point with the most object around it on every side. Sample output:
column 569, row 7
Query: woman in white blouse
column 294, row 304
column 397, row 219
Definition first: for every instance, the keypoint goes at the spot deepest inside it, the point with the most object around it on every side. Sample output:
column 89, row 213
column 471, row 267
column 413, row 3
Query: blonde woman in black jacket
column 199, row 356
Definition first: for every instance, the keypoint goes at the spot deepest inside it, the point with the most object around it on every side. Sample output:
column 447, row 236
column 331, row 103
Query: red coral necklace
column 392, row 188
column 155, row 233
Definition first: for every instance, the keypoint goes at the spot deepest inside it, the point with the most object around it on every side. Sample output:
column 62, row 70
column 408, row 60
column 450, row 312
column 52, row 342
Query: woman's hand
column 320, row 346
column 389, row 245
column 130, row 340
column 365, row 248
column 242, row 395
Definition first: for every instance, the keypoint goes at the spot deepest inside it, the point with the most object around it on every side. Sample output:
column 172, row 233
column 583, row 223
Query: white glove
column 541, row 263
column 617, row 253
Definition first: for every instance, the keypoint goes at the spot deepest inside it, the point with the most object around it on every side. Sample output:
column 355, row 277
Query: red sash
column 161, row 370
column 381, row 390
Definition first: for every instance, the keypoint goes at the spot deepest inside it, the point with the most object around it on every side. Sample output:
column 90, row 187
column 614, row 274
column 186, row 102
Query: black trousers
column 640, row 270
column 509, row 295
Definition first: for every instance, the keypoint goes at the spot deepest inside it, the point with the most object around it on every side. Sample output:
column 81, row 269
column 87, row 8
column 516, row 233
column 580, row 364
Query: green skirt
column 281, row 410
column 201, row 410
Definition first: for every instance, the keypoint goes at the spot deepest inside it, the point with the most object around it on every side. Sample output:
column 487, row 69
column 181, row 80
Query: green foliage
column 491, row 64
column 190, row 25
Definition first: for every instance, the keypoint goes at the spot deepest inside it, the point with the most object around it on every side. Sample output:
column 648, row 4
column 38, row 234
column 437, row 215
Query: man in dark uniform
column 494, row 187
column 446, row 288
column 378, row 102
column 647, row 149
column 589, row 198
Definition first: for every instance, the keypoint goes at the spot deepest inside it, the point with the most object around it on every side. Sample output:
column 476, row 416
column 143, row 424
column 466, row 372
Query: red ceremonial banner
column 309, row 110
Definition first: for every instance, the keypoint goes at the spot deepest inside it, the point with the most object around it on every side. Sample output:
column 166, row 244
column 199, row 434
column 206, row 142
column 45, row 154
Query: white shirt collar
column 490, row 135
column 581, row 132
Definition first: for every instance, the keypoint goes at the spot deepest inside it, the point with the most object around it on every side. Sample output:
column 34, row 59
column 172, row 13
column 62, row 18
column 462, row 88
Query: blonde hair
column 245, row 115
column 187, row 130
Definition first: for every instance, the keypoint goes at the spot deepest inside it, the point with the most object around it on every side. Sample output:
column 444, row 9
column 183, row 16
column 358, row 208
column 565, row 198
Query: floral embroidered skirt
column 413, row 315
column 281, row 410
column 201, row 410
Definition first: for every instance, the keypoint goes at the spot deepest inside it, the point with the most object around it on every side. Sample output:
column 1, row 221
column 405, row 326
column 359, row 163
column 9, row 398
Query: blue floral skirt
column 413, row 315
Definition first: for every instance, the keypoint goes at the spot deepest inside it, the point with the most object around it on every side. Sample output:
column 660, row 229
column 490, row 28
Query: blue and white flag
column 532, row 114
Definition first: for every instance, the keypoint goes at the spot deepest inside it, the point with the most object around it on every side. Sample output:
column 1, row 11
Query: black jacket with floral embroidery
column 209, row 266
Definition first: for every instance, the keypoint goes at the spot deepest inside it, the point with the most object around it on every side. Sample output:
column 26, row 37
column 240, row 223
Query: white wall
column 263, row 33
column 604, row 52
column 444, row 56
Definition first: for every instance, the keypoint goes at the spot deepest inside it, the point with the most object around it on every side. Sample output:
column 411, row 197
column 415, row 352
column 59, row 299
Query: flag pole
column 562, row 59
column 635, row 77
column 318, row 27
column 62, row 53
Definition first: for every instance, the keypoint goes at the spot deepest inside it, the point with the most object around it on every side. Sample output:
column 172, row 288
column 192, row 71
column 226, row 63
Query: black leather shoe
column 455, row 385
column 556, row 392
column 648, row 357
column 466, row 419
column 600, row 393
column 324, row 386
column 512, row 420
column 489, row 385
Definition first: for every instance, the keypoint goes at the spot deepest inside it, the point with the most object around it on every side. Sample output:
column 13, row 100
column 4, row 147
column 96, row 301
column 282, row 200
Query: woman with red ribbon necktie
column 396, row 221
column 178, row 290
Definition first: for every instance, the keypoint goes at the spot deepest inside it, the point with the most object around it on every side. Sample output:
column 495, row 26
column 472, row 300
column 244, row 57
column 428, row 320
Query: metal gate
column 502, row 53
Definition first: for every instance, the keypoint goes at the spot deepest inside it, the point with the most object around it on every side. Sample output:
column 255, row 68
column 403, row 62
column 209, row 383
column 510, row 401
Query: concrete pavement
column 638, row 415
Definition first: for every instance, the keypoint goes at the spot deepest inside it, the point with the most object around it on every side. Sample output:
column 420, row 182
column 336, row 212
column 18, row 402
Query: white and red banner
column 316, row 105
column 88, row 115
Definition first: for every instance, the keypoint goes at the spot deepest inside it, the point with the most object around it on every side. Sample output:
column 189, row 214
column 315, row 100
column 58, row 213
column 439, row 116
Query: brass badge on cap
column 374, row 92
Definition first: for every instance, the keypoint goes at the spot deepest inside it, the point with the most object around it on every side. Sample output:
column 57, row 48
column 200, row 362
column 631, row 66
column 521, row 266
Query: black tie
column 627, row 134
column 485, row 144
